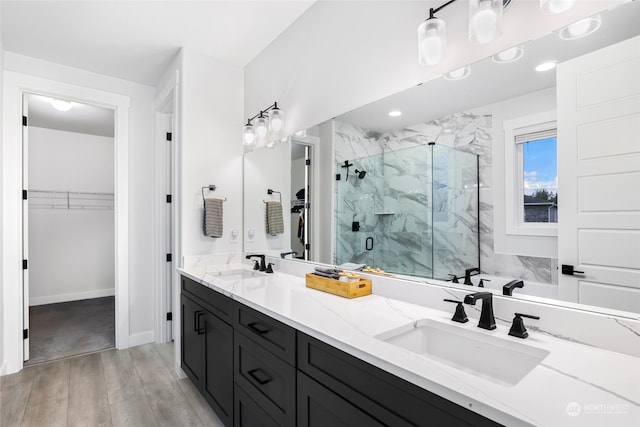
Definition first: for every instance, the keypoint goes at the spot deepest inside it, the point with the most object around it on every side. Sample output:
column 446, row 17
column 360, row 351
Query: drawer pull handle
column 198, row 315
column 254, row 374
column 255, row 326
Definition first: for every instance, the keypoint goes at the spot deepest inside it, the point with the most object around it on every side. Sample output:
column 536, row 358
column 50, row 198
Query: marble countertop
column 575, row 385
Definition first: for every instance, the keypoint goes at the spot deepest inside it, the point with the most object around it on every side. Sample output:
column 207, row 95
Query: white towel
column 212, row 223
column 274, row 222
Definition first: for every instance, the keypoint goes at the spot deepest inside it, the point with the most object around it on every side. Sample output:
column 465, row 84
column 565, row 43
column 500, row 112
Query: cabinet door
column 191, row 333
column 217, row 381
column 319, row 407
column 247, row 413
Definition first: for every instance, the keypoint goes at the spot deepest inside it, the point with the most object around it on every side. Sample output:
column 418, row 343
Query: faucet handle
column 269, row 268
column 454, row 278
column 481, row 284
column 459, row 316
column 517, row 327
column 256, row 265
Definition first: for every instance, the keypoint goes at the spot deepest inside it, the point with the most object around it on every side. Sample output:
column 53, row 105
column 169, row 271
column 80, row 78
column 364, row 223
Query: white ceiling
column 81, row 118
column 136, row 40
column 490, row 82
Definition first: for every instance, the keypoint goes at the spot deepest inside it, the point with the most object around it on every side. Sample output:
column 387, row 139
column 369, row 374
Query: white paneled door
column 599, row 177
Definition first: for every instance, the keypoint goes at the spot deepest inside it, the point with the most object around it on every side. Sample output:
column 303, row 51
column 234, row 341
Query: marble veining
column 601, row 374
column 466, row 132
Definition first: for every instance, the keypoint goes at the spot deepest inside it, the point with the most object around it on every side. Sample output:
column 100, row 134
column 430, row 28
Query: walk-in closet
column 68, row 227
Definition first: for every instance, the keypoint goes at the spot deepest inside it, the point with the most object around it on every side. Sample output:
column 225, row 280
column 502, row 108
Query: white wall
column 71, row 251
column 340, row 55
column 266, row 168
column 211, row 149
column 140, row 164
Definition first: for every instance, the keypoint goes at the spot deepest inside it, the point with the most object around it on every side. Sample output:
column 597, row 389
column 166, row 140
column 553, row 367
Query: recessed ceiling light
column 581, row 28
column 61, row 105
column 458, row 74
column 395, row 113
column 509, row 55
column 546, row 66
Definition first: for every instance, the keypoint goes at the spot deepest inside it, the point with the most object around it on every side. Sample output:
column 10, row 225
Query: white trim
column 72, row 296
column 14, row 85
column 141, row 338
column 3, row 368
column 165, row 106
column 514, row 180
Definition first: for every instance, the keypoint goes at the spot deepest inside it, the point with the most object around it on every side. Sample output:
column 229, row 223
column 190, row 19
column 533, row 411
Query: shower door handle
column 368, row 243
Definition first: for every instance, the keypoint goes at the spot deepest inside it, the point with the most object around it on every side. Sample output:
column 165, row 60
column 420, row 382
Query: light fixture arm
column 433, row 11
column 273, row 106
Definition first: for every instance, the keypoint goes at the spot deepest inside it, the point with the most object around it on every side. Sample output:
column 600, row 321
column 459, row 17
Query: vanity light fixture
column 458, row 74
column 395, row 113
column 556, row 6
column 581, row 28
column 546, row 66
column 61, row 105
column 267, row 126
column 485, row 25
column 509, row 55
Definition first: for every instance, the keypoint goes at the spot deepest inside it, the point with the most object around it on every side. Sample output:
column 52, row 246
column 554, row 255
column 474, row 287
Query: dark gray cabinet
column 264, row 351
column 255, row 371
column 207, row 345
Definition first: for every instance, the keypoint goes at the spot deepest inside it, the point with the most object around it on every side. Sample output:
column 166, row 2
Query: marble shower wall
column 463, row 131
column 416, row 210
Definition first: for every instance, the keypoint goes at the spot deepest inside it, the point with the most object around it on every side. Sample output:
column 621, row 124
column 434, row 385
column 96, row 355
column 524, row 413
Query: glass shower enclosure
column 414, row 212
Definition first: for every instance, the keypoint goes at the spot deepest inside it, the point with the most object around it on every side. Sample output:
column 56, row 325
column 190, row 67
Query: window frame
column 514, row 174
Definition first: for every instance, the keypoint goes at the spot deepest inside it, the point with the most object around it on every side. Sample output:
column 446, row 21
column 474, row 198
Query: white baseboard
column 141, row 338
column 73, row 296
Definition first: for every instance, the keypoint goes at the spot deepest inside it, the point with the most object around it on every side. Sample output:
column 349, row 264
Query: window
column 531, row 175
column 540, row 177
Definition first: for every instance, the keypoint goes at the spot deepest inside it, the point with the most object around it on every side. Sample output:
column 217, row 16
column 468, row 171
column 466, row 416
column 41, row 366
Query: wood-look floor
column 132, row 387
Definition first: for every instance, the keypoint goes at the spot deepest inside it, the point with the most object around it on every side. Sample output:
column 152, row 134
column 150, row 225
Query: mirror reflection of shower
column 359, row 174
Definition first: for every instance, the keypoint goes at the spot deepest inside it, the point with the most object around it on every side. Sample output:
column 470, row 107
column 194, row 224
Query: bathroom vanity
column 265, row 350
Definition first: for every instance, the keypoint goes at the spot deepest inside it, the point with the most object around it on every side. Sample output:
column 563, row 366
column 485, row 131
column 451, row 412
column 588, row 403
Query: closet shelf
column 57, row 199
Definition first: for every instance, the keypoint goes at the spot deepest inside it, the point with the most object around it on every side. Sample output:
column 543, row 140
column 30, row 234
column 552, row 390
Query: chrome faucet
column 487, row 321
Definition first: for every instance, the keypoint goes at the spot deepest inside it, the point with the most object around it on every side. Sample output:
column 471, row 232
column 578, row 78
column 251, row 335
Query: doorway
column 68, row 228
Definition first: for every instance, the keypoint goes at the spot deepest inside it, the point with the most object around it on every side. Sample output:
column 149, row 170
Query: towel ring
column 270, row 191
column 210, row 188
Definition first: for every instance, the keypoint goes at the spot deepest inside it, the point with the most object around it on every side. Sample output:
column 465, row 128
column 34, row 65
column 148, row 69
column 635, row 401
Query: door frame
column 16, row 84
column 166, row 116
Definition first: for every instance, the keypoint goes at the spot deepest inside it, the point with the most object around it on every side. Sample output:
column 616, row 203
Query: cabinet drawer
column 319, row 407
column 384, row 396
column 246, row 413
column 213, row 301
column 268, row 380
column 273, row 335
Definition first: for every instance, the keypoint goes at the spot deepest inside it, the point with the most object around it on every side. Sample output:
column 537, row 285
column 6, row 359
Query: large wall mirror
column 472, row 120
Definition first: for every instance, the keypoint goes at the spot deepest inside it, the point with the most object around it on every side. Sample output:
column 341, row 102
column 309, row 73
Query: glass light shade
column 262, row 126
column 581, row 28
column 556, row 6
column 276, row 120
column 248, row 135
column 485, row 20
column 432, row 41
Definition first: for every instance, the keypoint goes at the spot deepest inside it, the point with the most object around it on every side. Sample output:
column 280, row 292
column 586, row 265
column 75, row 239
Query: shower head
column 360, row 174
column 347, row 164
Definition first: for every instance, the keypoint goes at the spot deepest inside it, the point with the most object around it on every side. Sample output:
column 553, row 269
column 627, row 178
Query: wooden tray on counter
column 337, row 287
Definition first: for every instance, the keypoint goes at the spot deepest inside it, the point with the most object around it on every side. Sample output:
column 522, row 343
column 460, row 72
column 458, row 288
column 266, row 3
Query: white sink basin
column 238, row 274
column 500, row 360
